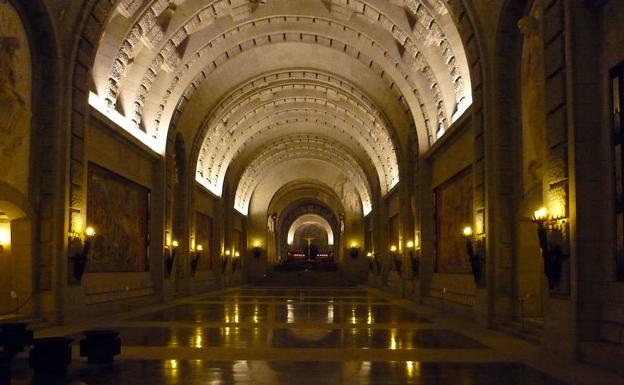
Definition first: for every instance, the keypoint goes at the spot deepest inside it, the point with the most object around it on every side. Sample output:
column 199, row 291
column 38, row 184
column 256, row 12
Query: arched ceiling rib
column 318, row 173
column 301, row 147
column 417, row 52
column 307, row 122
column 304, row 189
column 240, row 120
column 274, row 31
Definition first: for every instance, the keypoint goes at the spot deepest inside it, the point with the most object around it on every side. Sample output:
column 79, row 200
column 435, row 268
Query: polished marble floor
column 303, row 336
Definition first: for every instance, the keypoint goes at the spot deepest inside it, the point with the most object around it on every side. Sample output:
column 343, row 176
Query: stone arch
column 299, row 208
column 295, row 147
column 512, row 211
column 246, row 125
column 35, row 244
column 310, row 219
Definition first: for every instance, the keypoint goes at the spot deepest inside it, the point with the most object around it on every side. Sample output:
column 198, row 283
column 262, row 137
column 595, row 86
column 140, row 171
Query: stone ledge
column 605, row 355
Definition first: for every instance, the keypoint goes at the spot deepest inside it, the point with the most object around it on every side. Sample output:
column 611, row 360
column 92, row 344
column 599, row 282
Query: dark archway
column 296, row 210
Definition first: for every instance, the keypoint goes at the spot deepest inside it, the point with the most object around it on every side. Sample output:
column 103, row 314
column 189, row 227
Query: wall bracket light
column 256, row 251
column 79, row 258
column 476, row 255
column 371, row 261
column 354, row 251
column 552, row 235
column 170, row 254
column 414, row 257
column 195, row 257
column 224, row 260
column 235, row 261
column 398, row 263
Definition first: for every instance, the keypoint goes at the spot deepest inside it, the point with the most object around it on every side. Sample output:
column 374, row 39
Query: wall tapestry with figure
column 118, row 209
column 203, row 236
column 453, row 212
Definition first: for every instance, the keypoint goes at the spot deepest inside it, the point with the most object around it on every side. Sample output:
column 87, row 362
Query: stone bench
column 51, row 355
column 100, row 346
column 14, row 337
column 5, row 368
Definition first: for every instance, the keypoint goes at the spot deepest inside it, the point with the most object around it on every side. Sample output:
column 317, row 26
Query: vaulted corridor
column 322, row 191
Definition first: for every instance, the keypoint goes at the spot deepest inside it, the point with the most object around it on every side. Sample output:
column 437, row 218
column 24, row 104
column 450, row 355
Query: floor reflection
column 200, row 372
column 293, row 312
column 311, row 335
column 262, row 337
column 282, row 299
column 229, row 313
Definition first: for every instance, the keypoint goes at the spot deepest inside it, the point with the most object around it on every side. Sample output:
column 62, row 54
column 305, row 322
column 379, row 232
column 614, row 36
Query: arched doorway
column 311, row 235
column 307, row 230
column 17, row 241
column 16, row 260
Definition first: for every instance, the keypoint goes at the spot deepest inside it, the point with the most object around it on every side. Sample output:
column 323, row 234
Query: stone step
column 531, row 331
column 33, row 323
column 303, row 278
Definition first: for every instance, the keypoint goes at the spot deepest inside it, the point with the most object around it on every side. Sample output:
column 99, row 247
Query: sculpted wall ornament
column 533, row 82
column 15, row 91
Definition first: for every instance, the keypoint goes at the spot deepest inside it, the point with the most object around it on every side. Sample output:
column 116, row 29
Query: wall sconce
column 235, row 261
column 79, row 258
column 5, row 237
column 195, row 256
column 549, row 230
column 170, row 253
column 256, row 251
column 371, row 261
column 224, row 260
column 354, row 251
column 395, row 257
column 474, row 249
column 413, row 258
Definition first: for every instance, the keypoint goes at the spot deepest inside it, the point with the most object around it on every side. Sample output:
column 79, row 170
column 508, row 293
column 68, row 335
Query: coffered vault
column 233, row 74
column 302, row 147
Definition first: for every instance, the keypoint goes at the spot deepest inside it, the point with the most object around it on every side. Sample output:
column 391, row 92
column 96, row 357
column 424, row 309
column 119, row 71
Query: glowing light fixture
column 467, row 231
column 410, row 244
column 90, row 231
column 5, row 237
column 540, row 214
column 393, row 248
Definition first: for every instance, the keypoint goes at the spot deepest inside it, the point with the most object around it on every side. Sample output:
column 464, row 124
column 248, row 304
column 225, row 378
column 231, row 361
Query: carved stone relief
column 533, row 98
column 15, row 94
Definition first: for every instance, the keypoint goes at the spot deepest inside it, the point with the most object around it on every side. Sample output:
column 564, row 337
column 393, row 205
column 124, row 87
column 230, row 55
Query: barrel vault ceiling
column 254, row 84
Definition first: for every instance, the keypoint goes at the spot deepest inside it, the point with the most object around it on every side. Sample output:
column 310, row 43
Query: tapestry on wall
column 118, row 209
column 203, row 236
column 453, row 212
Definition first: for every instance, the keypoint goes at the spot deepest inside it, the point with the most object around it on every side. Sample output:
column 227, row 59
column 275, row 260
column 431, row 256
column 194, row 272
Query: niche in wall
column 119, row 209
column 453, row 211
